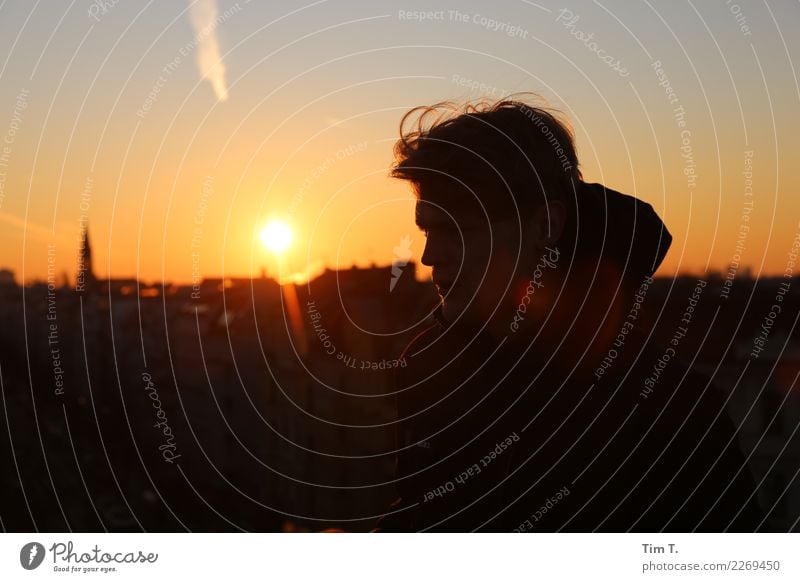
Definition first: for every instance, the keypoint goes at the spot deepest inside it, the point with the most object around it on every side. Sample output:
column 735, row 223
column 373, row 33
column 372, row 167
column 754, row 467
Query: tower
column 84, row 280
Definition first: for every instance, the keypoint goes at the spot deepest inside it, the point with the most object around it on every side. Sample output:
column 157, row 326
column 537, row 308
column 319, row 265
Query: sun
column 276, row 236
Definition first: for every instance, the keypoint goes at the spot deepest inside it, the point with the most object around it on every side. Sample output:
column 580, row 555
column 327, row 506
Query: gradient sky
column 300, row 119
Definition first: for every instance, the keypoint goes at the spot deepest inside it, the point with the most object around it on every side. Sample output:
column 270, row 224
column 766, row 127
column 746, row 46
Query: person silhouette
column 533, row 403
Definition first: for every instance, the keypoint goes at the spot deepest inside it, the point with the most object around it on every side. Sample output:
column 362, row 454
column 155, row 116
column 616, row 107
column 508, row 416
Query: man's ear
column 548, row 223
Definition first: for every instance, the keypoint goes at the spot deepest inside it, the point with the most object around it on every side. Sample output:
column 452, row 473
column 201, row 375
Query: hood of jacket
column 619, row 228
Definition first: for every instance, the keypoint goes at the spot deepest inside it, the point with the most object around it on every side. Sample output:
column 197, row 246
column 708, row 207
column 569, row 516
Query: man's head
column 495, row 185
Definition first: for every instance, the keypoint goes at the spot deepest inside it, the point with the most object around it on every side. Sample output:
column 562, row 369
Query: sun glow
column 276, row 236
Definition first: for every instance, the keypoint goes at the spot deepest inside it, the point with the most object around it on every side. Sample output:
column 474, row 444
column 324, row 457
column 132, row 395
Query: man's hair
column 504, row 158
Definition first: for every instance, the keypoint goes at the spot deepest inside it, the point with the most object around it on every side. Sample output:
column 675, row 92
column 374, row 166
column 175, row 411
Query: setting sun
column 276, row 236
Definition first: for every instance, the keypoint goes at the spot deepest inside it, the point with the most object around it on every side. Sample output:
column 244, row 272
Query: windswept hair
column 507, row 157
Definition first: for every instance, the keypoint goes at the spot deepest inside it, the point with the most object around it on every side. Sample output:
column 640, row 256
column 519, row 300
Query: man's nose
column 432, row 254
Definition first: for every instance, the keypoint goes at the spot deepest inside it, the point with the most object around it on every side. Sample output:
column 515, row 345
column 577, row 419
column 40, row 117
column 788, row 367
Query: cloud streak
column 203, row 15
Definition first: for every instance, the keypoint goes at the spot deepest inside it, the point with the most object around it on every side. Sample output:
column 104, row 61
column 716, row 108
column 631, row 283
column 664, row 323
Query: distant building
column 84, row 281
column 7, row 278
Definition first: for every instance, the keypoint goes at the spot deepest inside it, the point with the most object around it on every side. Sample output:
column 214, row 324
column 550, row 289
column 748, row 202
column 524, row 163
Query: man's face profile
column 474, row 262
column 488, row 211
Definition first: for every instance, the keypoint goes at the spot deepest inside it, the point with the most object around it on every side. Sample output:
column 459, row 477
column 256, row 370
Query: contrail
column 203, row 14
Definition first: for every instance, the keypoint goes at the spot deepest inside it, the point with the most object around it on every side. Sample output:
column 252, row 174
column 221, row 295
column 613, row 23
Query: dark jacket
column 579, row 425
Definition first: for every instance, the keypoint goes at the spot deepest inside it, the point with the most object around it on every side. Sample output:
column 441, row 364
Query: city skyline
column 74, row 281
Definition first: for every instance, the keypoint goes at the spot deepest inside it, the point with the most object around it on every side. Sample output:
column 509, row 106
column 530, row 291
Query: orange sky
column 182, row 188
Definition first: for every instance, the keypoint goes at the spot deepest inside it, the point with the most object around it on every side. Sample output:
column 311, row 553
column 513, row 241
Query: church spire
column 85, row 278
